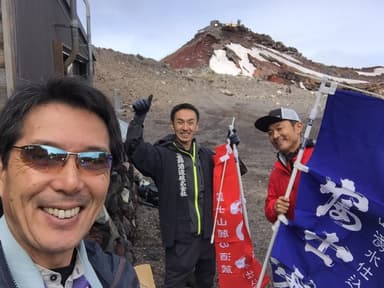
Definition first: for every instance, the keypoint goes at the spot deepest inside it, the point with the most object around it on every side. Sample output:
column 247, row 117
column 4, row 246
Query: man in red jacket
column 284, row 129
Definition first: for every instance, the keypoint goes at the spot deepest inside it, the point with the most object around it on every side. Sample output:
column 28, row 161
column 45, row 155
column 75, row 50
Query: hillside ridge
column 235, row 50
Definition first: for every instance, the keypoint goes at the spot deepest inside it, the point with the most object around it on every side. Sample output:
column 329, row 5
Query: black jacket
column 160, row 162
column 113, row 271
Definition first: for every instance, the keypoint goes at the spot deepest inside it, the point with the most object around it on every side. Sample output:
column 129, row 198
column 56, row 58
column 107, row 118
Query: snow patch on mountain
column 220, row 63
column 376, row 72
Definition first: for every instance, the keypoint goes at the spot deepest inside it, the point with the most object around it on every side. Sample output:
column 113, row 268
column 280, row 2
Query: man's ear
column 299, row 126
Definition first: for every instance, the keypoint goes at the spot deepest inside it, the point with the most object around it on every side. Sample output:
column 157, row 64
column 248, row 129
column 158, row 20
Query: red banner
column 236, row 264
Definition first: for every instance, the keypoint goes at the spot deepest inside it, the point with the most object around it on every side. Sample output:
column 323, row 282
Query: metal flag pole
column 218, row 199
column 327, row 87
column 236, row 156
column 242, row 197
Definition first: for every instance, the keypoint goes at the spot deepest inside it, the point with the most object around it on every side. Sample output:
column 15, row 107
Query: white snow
column 376, row 72
column 219, row 63
column 289, row 57
column 246, row 67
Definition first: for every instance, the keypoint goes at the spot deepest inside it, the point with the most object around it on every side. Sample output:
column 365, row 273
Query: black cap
column 274, row 116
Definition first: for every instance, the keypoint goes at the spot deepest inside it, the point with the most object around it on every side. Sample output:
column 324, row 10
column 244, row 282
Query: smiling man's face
column 185, row 126
column 49, row 211
column 285, row 136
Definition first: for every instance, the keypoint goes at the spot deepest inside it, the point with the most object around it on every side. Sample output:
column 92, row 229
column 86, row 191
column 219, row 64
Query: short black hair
column 181, row 106
column 71, row 91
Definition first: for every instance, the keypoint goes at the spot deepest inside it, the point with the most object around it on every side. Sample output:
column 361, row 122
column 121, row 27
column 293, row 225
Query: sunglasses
column 47, row 157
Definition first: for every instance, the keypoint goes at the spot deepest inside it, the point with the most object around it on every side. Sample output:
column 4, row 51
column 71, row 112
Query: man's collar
column 180, row 146
column 24, row 270
column 76, row 271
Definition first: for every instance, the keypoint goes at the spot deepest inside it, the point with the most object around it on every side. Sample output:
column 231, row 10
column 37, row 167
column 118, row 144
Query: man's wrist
column 139, row 118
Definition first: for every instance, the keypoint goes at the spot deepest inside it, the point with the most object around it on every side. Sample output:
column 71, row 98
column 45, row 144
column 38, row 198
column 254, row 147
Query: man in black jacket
column 59, row 142
column 182, row 171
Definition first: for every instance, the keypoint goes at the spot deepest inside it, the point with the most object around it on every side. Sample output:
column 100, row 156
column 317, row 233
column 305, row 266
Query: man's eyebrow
column 186, row 120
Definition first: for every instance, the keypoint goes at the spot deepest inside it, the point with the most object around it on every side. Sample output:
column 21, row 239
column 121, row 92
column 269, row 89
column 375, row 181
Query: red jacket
column 278, row 182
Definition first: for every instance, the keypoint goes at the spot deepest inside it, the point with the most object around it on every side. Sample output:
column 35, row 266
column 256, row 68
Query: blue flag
column 337, row 236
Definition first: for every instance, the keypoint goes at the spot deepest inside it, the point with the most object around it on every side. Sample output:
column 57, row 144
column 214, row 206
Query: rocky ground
column 219, row 99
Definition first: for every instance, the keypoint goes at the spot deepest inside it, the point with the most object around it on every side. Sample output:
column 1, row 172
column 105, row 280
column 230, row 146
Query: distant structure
column 217, row 25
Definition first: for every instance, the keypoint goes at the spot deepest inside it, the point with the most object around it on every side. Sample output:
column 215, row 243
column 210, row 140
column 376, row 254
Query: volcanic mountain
column 235, row 50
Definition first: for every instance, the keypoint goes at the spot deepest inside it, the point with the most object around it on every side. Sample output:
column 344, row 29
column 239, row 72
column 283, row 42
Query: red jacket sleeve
column 278, row 183
column 270, row 200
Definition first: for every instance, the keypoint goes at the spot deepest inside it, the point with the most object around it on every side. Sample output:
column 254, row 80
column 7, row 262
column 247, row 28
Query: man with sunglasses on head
column 59, row 141
column 284, row 129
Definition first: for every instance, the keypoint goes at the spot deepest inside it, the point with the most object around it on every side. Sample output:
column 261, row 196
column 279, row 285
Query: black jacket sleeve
column 134, row 135
column 143, row 155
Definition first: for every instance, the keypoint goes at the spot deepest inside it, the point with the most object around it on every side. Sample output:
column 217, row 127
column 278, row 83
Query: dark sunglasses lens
column 41, row 156
column 44, row 157
column 95, row 160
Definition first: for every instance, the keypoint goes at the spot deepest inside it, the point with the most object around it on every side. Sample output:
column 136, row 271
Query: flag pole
column 218, row 199
column 327, row 87
column 243, row 200
column 341, row 85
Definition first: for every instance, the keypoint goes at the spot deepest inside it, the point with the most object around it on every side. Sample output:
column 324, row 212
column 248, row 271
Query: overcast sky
column 333, row 32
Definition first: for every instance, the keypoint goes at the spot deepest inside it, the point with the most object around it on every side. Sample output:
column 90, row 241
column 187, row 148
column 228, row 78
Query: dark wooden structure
column 40, row 39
